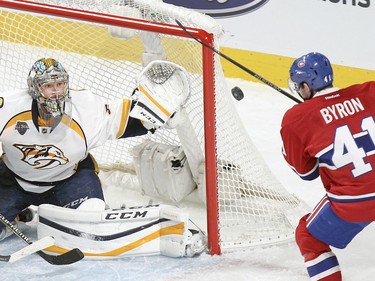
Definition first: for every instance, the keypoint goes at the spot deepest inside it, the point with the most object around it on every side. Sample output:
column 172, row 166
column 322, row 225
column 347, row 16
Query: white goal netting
column 253, row 207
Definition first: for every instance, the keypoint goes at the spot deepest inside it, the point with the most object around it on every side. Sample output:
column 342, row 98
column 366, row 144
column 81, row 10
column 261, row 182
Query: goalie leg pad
column 163, row 171
column 115, row 233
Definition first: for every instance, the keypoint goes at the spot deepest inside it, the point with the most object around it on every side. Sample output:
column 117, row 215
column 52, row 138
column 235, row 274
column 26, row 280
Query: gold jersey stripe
column 24, row 116
column 125, row 115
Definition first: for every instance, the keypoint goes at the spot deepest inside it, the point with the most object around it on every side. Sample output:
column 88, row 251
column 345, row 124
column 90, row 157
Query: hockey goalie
column 100, row 232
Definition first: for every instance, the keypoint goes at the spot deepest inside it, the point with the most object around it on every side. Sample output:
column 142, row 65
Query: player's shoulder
column 83, row 94
column 326, row 98
column 84, row 97
column 299, row 109
column 304, row 112
column 14, row 97
column 366, row 86
column 19, row 93
column 79, row 92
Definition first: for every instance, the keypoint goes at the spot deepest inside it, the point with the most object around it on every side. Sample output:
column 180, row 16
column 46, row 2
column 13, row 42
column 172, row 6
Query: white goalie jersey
column 36, row 154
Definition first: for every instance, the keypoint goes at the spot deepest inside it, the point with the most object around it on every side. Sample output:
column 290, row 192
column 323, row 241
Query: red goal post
column 245, row 204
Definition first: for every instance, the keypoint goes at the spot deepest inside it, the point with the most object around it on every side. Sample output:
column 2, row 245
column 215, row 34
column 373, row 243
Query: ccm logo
column 125, row 215
column 148, row 117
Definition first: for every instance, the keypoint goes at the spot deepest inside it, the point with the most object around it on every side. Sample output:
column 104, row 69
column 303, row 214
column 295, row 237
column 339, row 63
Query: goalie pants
column 316, row 232
column 70, row 193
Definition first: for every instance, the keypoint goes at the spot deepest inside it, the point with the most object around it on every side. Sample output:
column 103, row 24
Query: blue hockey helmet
column 313, row 69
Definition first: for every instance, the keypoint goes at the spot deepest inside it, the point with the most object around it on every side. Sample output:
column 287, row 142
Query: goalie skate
column 196, row 243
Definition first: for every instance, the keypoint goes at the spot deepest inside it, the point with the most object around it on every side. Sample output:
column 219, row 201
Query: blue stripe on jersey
column 312, row 176
column 309, row 176
column 362, row 141
column 322, row 266
column 352, row 199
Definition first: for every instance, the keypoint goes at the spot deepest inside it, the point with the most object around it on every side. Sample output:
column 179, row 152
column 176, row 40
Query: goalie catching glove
column 163, row 89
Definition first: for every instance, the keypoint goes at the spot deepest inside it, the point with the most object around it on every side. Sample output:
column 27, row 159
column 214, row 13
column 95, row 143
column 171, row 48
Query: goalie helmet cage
column 246, row 206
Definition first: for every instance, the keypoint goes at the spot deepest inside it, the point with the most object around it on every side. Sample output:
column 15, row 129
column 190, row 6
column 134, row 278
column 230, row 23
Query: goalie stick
column 69, row 257
column 252, row 73
column 41, row 244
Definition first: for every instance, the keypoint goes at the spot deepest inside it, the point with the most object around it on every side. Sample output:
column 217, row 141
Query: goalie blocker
column 107, row 233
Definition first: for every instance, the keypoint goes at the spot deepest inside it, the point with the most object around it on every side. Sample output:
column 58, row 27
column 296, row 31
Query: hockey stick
column 69, row 257
column 252, row 73
column 29, row 249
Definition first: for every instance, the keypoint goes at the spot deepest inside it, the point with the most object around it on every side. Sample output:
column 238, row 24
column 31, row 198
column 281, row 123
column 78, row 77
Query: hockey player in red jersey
column 331, row 135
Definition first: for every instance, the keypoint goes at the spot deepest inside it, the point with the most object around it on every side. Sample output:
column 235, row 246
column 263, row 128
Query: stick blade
column 5, row 258
column 70, row 257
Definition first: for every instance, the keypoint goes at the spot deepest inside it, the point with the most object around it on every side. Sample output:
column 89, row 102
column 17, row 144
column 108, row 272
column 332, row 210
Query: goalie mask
column 48, row 84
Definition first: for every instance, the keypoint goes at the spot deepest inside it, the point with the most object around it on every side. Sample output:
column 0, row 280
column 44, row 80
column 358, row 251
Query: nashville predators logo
column 42, row 157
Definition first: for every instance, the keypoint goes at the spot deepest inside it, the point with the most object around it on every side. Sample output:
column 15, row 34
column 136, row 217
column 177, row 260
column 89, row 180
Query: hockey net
column 245, row 204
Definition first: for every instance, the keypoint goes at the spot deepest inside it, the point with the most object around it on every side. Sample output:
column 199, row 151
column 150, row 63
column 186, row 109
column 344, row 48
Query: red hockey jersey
column 333, row 135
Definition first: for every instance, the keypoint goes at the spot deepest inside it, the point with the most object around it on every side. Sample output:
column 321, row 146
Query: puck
column 237, row 93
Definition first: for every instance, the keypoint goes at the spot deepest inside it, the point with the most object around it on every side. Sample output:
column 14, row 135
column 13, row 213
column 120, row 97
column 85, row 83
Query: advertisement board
column 271, row 33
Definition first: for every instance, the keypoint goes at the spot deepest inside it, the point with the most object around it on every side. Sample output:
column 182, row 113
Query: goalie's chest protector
column 40, row 155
